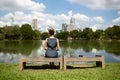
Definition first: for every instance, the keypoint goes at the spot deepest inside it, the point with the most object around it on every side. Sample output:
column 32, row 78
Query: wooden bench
column 98, row 59
column 23, row 61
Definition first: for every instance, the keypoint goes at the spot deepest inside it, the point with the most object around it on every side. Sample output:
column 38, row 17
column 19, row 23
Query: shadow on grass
column 42, row 67
column 46, row 66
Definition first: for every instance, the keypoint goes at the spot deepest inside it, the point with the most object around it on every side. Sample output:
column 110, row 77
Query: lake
column 11, row 51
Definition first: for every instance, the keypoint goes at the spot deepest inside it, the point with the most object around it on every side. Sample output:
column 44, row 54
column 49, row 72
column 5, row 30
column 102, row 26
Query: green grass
column 11, row 72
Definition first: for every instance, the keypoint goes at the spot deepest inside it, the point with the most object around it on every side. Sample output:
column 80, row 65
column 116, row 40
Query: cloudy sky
column 97, row 14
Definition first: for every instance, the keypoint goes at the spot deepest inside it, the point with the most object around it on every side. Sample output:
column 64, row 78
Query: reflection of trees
column 64, row 45
column 88, row 45
column 23, row 47
column 84, row 44
column 112, row 47
column 26, row 47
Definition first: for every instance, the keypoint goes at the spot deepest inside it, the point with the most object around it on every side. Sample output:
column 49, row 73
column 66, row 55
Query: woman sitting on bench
column 51, row 45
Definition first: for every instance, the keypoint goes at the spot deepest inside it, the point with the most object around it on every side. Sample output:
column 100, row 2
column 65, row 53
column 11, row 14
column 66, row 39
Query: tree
column 1, row 34
column 16, row 33
column 2, row 37
column 98, row 34
column 116, row 32
column 44, row 35
column 62, row 35
column 1, row 30
column 11, row 33
column 74, row 34
column 36, row 35
column 90, row 35
column 26, row 32
column 85, row 33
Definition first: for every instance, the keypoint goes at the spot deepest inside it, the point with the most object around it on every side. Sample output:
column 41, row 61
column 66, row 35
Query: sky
column 95, row 14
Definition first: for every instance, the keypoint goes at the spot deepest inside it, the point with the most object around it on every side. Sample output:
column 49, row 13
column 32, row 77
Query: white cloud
column 2, row 23
column 7, row 17
column 118, row 12
column 116, row 21
column 62, row 17
column 51, row 22
column 95, row 27
column 70, row 13
column 99, row 4
column 81, row 17
column 15, row 5
column 56, row 21
column 98, row 19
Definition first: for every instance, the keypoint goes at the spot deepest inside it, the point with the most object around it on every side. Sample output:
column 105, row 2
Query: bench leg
column 64, row 63
column 21, row 65
column 24, row 65
column 60, row 64
column 103, row 64
column 99, row 64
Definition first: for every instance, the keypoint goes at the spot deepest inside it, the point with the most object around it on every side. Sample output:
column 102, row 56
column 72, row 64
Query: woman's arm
column 45, row 44
column 58, row 45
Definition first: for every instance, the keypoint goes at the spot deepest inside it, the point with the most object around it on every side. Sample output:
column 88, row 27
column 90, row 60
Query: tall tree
column 98, row 34
column 74, row 34
column 62, row 35
column 44, row 35
column 85, row 33
column 36, row 35
column 26, row 32
column 16, row 33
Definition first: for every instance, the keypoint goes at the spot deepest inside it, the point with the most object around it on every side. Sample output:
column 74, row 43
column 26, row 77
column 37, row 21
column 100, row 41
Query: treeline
column 108, row 34
column 24, row 32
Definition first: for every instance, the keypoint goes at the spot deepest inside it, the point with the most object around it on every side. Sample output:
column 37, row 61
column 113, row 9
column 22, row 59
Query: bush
column 2, row 37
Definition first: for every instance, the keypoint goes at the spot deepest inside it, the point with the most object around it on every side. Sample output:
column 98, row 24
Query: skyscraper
column 69, row 27
column 34, row 24
column 72, row 21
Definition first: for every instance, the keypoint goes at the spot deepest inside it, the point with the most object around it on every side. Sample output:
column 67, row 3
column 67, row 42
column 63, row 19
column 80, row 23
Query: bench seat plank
column 23, row 61
column 98, row 59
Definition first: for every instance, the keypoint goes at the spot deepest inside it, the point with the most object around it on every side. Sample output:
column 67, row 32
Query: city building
column 34, row 24
column 69, row 27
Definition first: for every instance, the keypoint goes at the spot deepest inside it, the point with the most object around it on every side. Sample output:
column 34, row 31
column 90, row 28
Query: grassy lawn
column 11, row 72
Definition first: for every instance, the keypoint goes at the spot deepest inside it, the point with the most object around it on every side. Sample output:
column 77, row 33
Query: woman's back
column 51, row 51
column 52, row 43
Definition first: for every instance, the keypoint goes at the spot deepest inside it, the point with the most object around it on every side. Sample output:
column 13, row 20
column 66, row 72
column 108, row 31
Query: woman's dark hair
column 51, row 31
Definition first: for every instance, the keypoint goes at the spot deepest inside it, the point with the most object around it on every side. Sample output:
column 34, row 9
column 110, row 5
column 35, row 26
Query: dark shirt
column 51, row 52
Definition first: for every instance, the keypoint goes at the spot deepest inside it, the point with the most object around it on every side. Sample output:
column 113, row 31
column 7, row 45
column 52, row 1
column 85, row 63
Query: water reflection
column 15, row 47
column 88, row 46
column 11, row 51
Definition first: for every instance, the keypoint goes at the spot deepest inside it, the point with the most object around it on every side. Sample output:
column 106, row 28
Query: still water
column 11, row 51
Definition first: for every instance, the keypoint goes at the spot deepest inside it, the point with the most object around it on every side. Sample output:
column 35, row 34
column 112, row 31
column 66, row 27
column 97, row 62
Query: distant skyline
column 96, row 14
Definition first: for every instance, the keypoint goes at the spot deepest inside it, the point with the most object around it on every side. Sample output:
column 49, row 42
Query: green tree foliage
column 44, row 35
column 113, row 32
column 74, row 34
column 26, row 32
column 2, row 37
column 11, row 33
column 98, row 34
column 0, row 30
column 36, row 35
column 116, row 32
column 62, row 35
column 16, row 33
column 109, row 32
column 1, row 34
column 86, row 33
column 7, row 31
